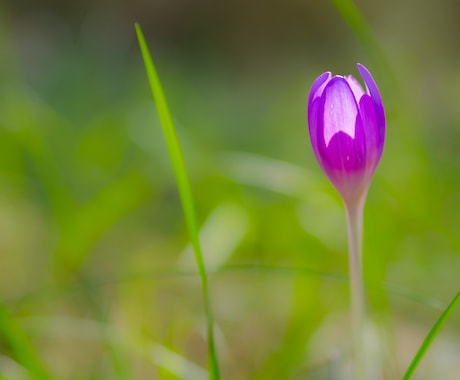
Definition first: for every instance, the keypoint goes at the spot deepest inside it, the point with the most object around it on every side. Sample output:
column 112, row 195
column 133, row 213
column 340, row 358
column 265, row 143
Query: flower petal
column 376, row 99
column 315, row 124
column 355, row 87
column 340, row 133
column 340, row 109
column 318, row 86
column 374, row 146
column 313, row 105
column 347, row 165
column 345, row 154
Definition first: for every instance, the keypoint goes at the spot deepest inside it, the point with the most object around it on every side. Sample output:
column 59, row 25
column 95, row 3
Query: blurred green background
column 96, row 277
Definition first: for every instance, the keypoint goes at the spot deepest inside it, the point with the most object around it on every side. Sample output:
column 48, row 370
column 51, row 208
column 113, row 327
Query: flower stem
column 354, row 212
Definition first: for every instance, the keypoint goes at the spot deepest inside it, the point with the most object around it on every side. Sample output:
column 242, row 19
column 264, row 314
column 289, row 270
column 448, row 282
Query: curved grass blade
column 351, row 14
column 12, row 334
column 431, row 337
column 185, row 191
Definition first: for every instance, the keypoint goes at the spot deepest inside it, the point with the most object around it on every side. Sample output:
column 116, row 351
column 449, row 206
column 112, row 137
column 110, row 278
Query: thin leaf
column 185, row 191
column 363, row 32
column 12, row 334
column 431, row 337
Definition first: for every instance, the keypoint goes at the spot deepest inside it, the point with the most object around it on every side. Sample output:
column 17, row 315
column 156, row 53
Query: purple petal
column 374, row 146
column 340, row 109
column 318, row 86
column 313, row 104
column 314, row 124
column 376, row 99
column 355, row 87
column 345, row 154
column 349, row 172
column 340, row 132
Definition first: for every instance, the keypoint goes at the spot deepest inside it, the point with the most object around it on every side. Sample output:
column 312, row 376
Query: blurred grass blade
column 176, row 364
column 430, row 337
column 356, row 21
column 12, row 335
column 220, row 235
column 185, row 191
column 351, row 14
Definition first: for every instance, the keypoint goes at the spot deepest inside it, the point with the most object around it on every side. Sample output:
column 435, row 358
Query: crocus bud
column 347, row 130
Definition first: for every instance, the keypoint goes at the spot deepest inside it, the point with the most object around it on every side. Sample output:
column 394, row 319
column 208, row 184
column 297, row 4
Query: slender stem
column 354, row 212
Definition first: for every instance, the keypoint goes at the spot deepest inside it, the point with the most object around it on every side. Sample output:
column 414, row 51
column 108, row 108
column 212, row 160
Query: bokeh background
column 96, row 277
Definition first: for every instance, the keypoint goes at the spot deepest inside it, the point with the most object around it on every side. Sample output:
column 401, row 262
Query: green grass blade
column 12, row 335
column 185, row 191
column 430, row 337
column 351, row 14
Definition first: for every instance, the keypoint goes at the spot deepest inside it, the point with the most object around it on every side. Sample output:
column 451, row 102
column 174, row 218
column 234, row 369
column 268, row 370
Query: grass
column 185, row 192
column 428, row 341
column 20, row 344
column 96, row 281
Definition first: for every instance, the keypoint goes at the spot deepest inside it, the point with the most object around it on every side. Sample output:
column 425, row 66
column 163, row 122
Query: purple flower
column 347, row 130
